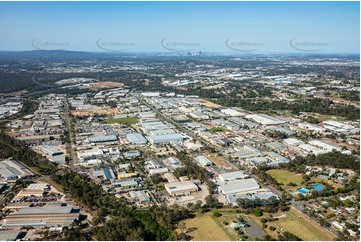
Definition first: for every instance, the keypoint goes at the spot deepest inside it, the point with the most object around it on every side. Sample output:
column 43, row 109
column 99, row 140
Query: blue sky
column 142, row 26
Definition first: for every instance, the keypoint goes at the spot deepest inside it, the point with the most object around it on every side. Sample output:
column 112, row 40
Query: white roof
column 239, row 186
column 293, row 141
column 179, row 186
column 232, row 175
column 232, row 112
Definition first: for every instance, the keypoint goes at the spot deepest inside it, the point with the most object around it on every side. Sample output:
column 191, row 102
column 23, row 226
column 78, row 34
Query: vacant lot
column 203, row 227
column 284, row 177
column 220, row 161
column 297, row 223
column 126, row 121
column 208, row 104
column 86, row 113
column 105, row 85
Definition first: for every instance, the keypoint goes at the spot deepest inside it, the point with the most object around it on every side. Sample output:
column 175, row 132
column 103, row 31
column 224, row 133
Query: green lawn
column 216, row 129
column 284, row 177
column 126, row 121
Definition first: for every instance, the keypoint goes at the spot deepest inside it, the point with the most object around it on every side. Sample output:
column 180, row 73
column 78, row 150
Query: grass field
column 284, row 177
column 126, row 121
column 296, row 223
column 206, row 228
column 216, row 129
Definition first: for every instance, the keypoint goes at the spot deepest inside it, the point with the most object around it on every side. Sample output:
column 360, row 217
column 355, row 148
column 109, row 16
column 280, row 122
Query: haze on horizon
column 257, row 27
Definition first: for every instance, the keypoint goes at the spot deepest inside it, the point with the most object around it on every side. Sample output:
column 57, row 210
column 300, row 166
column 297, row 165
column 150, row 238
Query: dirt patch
column 105, row 85
column 220, row 161
column 85, row 113
column 207, row 104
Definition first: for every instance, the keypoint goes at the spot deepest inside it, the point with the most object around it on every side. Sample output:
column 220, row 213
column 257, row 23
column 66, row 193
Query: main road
column 68, row 144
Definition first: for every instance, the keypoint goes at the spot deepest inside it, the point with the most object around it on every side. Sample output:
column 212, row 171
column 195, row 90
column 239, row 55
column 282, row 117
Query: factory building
column 203, row 161
column 104, row 173
column 232, row 176
column 238, row 186
column 232, row 113
column 11, row 170
column 99, row 139
column 50, row 150
column 181, row 188
column 265, row 119
column 136, row 138
column 49, row 216
column 140, row 196
column 325, row 145
column 167, row 138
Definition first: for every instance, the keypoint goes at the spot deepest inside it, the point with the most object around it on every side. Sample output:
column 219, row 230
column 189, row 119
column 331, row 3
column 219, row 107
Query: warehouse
column 11, row 169
column 172, row 162
column 293, row 142
column 141, row 196
column 244, row 185
column 99, row 139
column 136, row 138
column 49, row 215
column 276, row 146
column 199, row 115
column 158, row 139
column 180, row 188
column 125, row 184
column 232, row 176
column 232, row 198
column 203, row 161
column 104, row 173
column 231, row 112
column 265, row 119
column 325, row 145
column 308, row 149
column 170, row 177
column 10, row 235
column 50, row 150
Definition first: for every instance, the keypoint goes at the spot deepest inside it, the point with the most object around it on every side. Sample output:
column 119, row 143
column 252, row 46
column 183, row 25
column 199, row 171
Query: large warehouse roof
column 239, row 186
column 155, row 139
column 181, row 186
column 106, row 138
column 136, row 138
column 232, row 176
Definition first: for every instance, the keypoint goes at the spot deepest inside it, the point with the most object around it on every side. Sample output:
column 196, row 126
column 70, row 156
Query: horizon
column 178, row 27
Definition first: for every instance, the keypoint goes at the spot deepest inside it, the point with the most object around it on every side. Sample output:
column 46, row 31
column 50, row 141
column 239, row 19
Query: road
column 68, row 144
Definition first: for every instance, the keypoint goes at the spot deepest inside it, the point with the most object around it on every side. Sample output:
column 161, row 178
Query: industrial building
column 265, row 119
column 10, row 235
column 308, row 149
column 238, row 186
column 51, row 151
column 231, row 112
column 11, row 170
column 99, row 139
column 104, row 173
column 232, row 198
column 232, row 176
column 170, row 177
column 180, row 188
column 203, row 161
column 167, row 138
column 136, row 138
column 48, row 215
column 140, row 196
column 125, row 184
column 325, row 145
column 293, row 142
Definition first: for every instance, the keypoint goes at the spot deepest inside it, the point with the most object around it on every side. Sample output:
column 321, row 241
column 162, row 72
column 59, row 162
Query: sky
column 246, row 27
